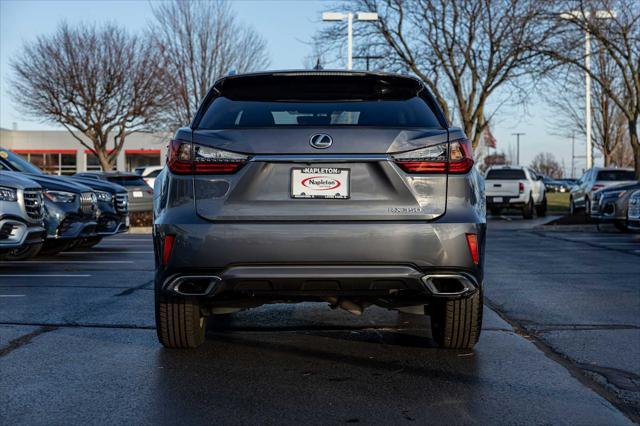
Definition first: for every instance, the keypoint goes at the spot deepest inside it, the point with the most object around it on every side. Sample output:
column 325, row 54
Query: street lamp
column 360, row 16
column 517, row 135
column 577, row 15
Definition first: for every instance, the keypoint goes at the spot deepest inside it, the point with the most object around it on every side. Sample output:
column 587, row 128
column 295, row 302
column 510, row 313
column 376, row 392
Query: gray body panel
column 203, row 245
column 245, row 232
column 378, row 189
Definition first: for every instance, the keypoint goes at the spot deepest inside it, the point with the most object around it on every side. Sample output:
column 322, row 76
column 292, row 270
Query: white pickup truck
column 515, row 187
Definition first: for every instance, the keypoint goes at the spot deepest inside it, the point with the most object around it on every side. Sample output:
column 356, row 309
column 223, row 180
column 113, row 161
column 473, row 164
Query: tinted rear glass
column 616, row 175
column 224, row 113
column 127, row 180
column 506, row 174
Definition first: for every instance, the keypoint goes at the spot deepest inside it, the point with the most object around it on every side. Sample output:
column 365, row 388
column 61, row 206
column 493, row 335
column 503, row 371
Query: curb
column 140, row 230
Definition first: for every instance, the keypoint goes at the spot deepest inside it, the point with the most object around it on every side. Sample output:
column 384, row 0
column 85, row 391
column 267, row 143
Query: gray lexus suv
column 349, row 188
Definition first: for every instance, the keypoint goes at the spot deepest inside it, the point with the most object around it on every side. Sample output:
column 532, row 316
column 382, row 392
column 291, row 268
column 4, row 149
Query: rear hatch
column 504, row 182
column 314, row 155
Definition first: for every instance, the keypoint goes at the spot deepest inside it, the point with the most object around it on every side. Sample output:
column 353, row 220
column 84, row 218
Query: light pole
column 360, row 16
column 518, row 147
column 579, row 15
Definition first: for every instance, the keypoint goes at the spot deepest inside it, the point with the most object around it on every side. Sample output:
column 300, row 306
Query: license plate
column 497, row 199
column 138, row 194
column 320, row 182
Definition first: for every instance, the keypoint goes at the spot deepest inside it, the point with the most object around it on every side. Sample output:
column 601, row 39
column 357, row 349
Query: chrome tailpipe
column 449, row 285
column 193, row 285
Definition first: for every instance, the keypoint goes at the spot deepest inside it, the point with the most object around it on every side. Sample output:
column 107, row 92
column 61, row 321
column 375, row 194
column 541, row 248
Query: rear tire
column 541, row 210
column 23, row 253
column 179, row 323
column 527, row 210
column 457, row 323
column 572, row 207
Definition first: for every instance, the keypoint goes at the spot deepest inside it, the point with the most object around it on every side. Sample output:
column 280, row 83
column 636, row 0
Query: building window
column 141, row 158
column 93, row 165
column 52, row 162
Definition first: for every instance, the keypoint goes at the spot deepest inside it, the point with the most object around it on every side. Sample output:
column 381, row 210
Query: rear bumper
column 506, row 201
column 320, row 281
column 312, row 257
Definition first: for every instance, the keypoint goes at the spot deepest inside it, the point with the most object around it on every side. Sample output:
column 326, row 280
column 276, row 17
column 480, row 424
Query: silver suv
column 594, row 179
column 344, row 187
column 21, row 216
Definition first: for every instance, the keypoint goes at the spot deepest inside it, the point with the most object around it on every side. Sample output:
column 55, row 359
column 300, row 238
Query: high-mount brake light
column 454, row 157
column 188, row 158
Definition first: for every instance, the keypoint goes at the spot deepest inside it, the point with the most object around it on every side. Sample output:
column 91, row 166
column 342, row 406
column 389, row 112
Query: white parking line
column 107, row 252
column 147, row 240
column 12, row 295
column 67, row 261
column 46, row 275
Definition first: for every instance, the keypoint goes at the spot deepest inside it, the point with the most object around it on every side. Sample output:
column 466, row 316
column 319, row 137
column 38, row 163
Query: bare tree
column 464, row 50
column 618, row 38
column 545, row 164
column 98, row 81
column 199, row 42
column 609, row 124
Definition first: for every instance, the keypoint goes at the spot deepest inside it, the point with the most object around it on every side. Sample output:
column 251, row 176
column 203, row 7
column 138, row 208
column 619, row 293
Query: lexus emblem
column 320, row 141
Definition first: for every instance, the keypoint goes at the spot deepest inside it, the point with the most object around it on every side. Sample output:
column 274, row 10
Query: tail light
column 472, row 242
column 454, row 157
column 597, row 186
column 520, row 187
column 188, row 158
column 167, row 248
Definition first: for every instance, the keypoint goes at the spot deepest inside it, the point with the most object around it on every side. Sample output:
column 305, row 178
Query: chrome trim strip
column 318, row 158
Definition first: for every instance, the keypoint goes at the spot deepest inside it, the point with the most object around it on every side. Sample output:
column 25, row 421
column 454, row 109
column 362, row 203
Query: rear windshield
column 506, row 174
column 127, row 180
column 224, row 113
column 616, row 175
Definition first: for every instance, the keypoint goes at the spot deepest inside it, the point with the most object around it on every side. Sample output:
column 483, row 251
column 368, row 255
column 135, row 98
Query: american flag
column 489, row 140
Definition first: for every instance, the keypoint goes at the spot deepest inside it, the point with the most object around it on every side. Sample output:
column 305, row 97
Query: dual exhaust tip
column 193, row 285
column 449, row 285
column 438, row 285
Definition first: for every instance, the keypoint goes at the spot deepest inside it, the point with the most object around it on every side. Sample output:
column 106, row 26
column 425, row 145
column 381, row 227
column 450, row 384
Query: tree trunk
column 635, row 145
column 106, row 163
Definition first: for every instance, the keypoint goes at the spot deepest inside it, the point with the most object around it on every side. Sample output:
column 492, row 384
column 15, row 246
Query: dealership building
column 59, row 152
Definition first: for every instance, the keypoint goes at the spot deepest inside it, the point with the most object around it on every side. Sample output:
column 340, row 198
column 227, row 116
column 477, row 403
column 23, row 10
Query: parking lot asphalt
column 560, row 345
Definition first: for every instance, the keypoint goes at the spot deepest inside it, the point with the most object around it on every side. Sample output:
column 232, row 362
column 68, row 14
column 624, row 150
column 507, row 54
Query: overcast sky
column 286, row 25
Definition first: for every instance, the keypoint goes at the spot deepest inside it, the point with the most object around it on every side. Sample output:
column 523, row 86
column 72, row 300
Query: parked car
column 70, row 207
column 515, row 187
column 567, row 183
column 581, row 195
column 113, row 209
column 344, row 187
column 21, row 217
column 610, row 204
column 633, row 211
column 149, row 174
column 140, row 195
column 553, row 185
